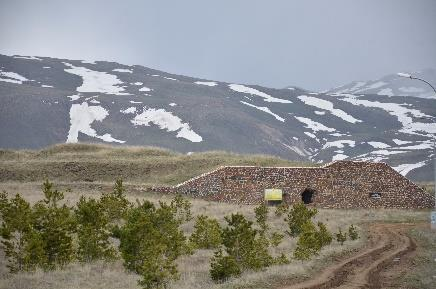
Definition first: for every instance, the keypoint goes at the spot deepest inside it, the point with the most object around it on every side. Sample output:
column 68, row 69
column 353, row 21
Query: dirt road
column 383, row 259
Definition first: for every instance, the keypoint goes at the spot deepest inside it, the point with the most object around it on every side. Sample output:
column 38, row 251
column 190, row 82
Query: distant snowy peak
column 393, row 85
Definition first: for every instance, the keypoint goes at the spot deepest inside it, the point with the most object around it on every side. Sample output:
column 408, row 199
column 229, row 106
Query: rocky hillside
column 45, row 101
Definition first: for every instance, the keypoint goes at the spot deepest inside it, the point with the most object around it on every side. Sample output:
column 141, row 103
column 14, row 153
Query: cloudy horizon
column 312, row 44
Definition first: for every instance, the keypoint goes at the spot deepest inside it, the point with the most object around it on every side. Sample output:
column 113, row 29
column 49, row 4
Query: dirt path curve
column 387, row 243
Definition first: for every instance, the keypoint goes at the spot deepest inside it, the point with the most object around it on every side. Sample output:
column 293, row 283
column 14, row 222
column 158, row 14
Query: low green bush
column 341, row 237
column 352, row 233
column 207, row 233
column 297, row 217
column 223, row 267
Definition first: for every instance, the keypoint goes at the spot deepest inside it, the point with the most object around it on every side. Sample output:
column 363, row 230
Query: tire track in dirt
column 363, row 270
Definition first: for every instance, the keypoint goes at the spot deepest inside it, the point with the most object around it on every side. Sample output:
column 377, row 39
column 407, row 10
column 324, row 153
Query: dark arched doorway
column 307, row 196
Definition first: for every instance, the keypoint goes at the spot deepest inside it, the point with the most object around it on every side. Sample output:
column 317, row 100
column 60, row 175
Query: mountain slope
column 393, row 85
column 46, row 101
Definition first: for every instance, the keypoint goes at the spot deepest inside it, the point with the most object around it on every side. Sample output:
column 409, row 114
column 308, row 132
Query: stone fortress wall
column 342, row 184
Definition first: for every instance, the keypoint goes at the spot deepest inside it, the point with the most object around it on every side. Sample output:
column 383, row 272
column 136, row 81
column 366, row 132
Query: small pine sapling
column 207, row 233
column 223, row 267
column 341, row 237
column 297, row 217
column 352, row 233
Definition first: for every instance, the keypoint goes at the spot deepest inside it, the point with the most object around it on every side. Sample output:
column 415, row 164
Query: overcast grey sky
column 311, row 44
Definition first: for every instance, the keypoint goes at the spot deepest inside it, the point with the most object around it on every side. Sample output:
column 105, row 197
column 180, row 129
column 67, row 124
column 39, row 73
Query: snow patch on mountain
column 27, row 57
column 248, row 90
column 300, row 151
column 265, row 109
column 145, row 89
column 122, row 70
column 81, row 117
column 313, row 125
column 166, row 120
column 309, row 134
column 404, row 169
column 74, row 97
column 96, row 81
column 207, row 83
column 403, row 114
column 386, row 91
column 327, row 105
column 339, row 157
column 166, row 77
column 129, row 110
column 339, row 144
column 378, row 145
column 12, row 77
column 400, row 142
column 421, row 146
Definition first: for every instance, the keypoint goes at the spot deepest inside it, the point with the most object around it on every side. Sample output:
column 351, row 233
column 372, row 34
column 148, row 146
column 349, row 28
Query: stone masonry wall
column 342, row 184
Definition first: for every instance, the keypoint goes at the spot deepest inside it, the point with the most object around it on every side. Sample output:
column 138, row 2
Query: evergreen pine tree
column 115, row 203
column 352, row 233
column 240, row 242
column 223, row 267
column 150, row 242
column 297, row 217
column 207, row 233
column 92, row 231
column 56, row 226
column 323, row 235
column 15, row 229
column 341, row 237
column 261, row 214
column 308, row 243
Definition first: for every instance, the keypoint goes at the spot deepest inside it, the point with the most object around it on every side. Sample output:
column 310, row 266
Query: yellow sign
column 273, row 194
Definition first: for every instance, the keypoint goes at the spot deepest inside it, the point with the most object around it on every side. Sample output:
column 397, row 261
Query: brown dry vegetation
column 73, row 167
column 103, row 163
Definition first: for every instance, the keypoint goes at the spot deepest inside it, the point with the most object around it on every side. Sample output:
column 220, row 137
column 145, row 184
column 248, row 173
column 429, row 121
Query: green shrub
column 323, row 235
column 261, row 214
column 115, row 203
column 308, row 243
column 182, row 208
column 207, row 233
column 352, row 233
column 150, row 242
column 92, row 231
column 341, row 237
column 223, row 267
column 312, row 240
column 297, row 217
column 281, row 260
column 240, row 242
column 56, row 225
column 276, row 238
column 3, row 202
column 22, row 245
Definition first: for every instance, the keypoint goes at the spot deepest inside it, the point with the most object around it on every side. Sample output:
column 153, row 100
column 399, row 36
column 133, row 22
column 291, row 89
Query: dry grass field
column 91, row 170
column 101, row 163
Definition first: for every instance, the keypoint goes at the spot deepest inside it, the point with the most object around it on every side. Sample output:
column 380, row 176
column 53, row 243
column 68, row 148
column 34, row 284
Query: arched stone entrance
column 307, row 196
